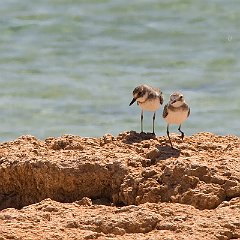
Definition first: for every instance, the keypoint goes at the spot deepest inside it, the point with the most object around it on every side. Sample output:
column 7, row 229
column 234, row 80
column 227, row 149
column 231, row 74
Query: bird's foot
column 181, row 136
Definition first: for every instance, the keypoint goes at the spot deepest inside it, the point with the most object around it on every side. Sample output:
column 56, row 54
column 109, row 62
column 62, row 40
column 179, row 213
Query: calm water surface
column 69, row 67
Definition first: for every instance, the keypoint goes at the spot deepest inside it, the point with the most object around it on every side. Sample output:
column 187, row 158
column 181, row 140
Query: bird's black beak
column 133, row 101
column 173, row 101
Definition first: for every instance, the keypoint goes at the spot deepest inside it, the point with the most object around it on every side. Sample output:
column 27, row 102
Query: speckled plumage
column 148, row 99
column 176, row 111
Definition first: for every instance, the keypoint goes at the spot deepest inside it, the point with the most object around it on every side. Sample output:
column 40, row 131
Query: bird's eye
column 139, row 93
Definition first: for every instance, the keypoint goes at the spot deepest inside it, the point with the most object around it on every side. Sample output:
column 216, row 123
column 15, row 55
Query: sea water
column 69, row 66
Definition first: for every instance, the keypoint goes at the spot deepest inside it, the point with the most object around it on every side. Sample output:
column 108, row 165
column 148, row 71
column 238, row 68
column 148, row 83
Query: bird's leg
column 169, row 135
column 182, row 133
column 142, row 121
column 154, row 115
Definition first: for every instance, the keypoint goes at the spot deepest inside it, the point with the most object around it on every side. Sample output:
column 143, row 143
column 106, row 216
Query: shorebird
column 176, row 111
column 148, row 99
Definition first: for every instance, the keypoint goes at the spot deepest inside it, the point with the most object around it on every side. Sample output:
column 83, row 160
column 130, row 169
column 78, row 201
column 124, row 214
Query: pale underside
column 176, row 117
column 150, row 105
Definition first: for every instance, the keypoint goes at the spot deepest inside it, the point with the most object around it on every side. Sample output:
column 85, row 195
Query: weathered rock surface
column 133, row 186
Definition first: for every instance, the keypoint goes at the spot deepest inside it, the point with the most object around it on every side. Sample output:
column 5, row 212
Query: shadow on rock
column 162, row 153
column 134, row 137
column 167, row 152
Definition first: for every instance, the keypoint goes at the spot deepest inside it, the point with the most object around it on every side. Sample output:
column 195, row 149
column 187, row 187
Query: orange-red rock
column 133, row 186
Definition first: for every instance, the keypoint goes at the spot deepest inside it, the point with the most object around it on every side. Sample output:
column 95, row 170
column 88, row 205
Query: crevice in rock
column 27, row 183
column 131, row 169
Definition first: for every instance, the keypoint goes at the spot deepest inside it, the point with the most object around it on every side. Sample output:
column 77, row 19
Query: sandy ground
column 132, row 186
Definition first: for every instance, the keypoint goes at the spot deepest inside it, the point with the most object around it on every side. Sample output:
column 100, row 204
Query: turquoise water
column 69, row 67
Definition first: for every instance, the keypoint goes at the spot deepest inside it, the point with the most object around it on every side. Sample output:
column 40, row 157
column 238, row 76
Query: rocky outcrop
column 130, row 181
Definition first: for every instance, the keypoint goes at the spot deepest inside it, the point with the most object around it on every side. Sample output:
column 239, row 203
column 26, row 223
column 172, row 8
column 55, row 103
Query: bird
column 176, row 111
column 148, row 99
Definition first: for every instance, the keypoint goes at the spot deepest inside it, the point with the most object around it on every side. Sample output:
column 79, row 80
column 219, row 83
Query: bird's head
column 177, row 99
column 139, row 94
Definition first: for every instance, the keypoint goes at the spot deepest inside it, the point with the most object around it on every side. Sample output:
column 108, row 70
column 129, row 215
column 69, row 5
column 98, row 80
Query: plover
column 148, row 99
column 176, row 111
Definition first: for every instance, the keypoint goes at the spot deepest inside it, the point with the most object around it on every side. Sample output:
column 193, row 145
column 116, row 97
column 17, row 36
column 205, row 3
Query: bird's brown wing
column 165, row 111
column 161, row 99
column 158, row 90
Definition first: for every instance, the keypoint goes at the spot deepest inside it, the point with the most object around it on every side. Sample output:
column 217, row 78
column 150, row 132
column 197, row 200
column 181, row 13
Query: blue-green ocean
column 69, row 66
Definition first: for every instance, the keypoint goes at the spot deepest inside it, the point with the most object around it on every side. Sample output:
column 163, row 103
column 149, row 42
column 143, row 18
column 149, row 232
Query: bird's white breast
column 150, row 104
column 176, row 117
